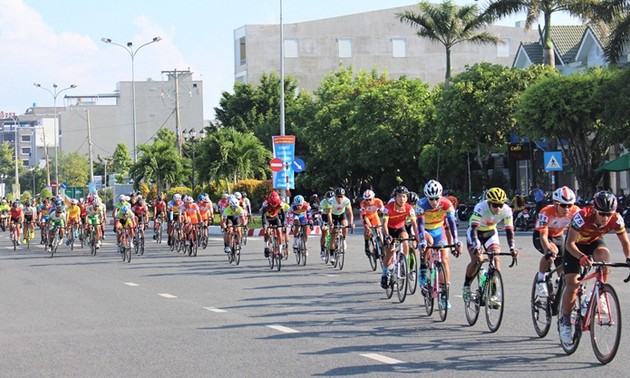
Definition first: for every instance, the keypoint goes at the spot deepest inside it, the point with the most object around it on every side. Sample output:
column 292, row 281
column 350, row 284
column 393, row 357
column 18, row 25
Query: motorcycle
column 4, row 220
column 526, row 218
column 464, row 211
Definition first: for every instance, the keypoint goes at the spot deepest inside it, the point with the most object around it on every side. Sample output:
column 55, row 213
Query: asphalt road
column 166, row 315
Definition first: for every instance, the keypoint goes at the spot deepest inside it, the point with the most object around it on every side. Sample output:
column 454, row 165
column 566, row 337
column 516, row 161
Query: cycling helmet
column 96, row 202
column 206, row 199
column 496, row 195
column 121, row 198
column 200, row 197
column 177, row 197
column 433, row 189
column 224, row 196
column 4, row 201
column 605, row 202
column 314, row 197
column 74, row 201
column 58, row 202
column 274, row 196
column 340, row 191
column 81, row 200
column 16, row 204
column 412, row 198
column 244, row 194
column 329, row 194
column 141, row 201
column 298, row 200
column 238, row 195
column 368, row 194
column 124, row 210
column 233, row 201
column 401, row 189
column 564, row 195
column 127, row 198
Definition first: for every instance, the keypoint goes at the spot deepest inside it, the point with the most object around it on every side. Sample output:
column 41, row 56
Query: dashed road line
column 214, row 309
column 166, row 295
column 381, row 358
column 132, row 284
column 283, row 329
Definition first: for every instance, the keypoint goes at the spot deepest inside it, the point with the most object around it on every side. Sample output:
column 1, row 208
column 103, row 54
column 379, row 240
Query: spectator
column 539, row 198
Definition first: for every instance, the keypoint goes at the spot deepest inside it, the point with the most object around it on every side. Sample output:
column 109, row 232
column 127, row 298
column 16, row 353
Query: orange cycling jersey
column 549, row 219
column 584, row 223
column 397, row 216
column 204, row 210
column 191, row 213
column 370, row 210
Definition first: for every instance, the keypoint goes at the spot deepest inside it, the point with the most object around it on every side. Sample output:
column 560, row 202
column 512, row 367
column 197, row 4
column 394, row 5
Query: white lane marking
column 283, row 329
column 214, row 309
column 329, row 275
column 132, row 284
column 165, row 295
column 381, row 358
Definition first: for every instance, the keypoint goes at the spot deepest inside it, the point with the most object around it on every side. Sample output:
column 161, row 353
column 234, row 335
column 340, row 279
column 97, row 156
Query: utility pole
column 89, row 134
column 178, row 128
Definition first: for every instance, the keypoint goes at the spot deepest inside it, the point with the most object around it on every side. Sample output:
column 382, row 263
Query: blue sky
column 59, row 41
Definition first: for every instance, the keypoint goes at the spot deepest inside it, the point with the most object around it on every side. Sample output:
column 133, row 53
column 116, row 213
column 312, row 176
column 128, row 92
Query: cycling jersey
column 175, row 206
column 339, row 208
column 233, row 212
column 434, row 217
column 205, row 210
column 191, row 212
column 74, row 211
column 549, row 219
column 58, row 219
column 584, row 223
column 271, row 212
column 370, row 210
column 396, row 217
column 485, row 220
column 301, row 212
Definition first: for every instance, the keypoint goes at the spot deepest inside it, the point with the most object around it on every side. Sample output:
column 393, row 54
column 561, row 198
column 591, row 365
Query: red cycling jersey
column 584, row 223
column 396, row 217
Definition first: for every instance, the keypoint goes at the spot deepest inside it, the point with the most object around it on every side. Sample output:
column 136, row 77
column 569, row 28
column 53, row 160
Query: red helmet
column 274, row 196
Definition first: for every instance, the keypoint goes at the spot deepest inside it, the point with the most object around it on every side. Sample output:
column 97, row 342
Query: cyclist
column 43, row 214
column 232, row 217
column 95, row 215
column 17, row 218
column 247, row 206
column 223, row 203
column 324, row 206
column 548, row 236
column 395, row 214
column 191, row 217
column 74, row 218
column 482, row 231
column 57, row 219
column 205, row 210
column 585, row 243
column 141, row 211
column 300, row 212
column 370, row 208
column 123, row 218
column 273, row 214
column 173, row 208
column 315, row 215
column 30, row 215
column 432, row 210
column 339, row 213
column 159, row 213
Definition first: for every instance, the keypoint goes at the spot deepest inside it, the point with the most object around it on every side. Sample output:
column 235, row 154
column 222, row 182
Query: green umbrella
column 622, row 163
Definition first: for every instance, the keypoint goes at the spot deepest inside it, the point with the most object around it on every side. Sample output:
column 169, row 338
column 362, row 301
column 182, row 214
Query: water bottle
column 585, row 304
column 328, row 240
column 483, row 276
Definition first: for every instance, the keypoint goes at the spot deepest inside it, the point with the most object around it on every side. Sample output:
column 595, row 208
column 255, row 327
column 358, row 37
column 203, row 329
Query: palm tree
column 534, row 8
column 449, row 25
column 232, row 155
column 617, row 14
column 159, row 162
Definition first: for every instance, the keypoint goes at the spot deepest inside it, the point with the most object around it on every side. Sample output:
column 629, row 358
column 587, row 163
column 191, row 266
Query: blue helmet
column 124, row 210
column 298, row 200
column 58, row 202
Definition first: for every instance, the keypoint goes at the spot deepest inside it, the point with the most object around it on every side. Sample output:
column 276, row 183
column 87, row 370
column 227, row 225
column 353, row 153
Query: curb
column 216, row 231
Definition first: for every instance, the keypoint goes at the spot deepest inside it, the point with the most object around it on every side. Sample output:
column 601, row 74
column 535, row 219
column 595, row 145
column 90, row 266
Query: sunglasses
column 496, row 205
column 603, row 214
column 339, row 196
column 566, row 206
column 433, row 199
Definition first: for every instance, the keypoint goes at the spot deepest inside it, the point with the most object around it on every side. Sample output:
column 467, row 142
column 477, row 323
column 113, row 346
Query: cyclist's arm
column 571, row 246
column 625, row 243
column 452, row 225
column 544, row 240
column 350, row 215
column 420, row 227
column 509, row 232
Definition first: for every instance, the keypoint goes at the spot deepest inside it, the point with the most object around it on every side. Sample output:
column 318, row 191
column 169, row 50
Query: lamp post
column 132, row 53
column 191, row 136
column 32, row 170
column 55, row 92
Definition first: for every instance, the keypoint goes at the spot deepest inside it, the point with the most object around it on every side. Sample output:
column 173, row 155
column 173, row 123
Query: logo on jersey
column 578, row 220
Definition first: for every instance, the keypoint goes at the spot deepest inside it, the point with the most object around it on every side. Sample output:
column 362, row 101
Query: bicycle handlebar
column 600, row 264
column 514, row 258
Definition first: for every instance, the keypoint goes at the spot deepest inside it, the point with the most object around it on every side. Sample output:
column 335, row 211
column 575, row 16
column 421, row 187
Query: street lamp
column 132, row 53
column 54, row 92
column 191, row 136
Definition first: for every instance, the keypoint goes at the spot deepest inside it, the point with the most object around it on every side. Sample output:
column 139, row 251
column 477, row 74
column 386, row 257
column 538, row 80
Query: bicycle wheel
column 401, row 277
column 541, row 310
column 472, row 307
column 341, row 255
column 442, row 297
column 278, row 257
column 136, row 243
column 92, row 244
column 427, row 292
column 141, row 245
column 326, row 255
column 372, row 255
column 494, row 300
column 412, row 286
column 605, row 324
column 296, row 252
column 576, row 326
column 389, row 290
column 158, row 237
column 237, row 254
column 303, row 251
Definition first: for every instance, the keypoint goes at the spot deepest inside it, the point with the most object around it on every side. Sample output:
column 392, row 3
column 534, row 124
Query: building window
column 503, row 49
column 25, row 163
column 399, row 48
column 291, row 48
column 345, row 47
column 241, row 52
column 26, row 150
column 26, row 138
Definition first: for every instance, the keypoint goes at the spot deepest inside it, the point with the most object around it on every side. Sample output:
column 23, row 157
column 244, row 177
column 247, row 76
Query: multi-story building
column 378, row 39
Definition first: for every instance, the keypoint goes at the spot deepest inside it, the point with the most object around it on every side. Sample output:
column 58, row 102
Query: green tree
column 74, row 169
column 233, row 155
column 617, row 14
column 7, row 161
column 121, row 162
column 534, row 9
column 160, row 162
column 476, row 113
column 568, row 109
column 617, row 105
column 449, row 25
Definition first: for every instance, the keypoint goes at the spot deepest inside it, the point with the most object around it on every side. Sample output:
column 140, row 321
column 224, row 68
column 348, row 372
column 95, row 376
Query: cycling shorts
column 572, row 263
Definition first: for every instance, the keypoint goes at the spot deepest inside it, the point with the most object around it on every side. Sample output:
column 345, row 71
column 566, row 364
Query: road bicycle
column 337, row 256
column 56, row 240
column 544, row 308
column 158, row 229
column 203, row 236
column 138, row 238
column 437, row 288
column 70, row 232
column 275, row 257
column 91, row 239
column 236, row 244
column 488, row 292
column 375, row 245
column 399, row 276
column 600, row 314
column 14, row 234
column 125, row 245
column 300, row 251
column 29, row 233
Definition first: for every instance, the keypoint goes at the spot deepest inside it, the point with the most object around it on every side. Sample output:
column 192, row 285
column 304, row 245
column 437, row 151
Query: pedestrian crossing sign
column 553, row 161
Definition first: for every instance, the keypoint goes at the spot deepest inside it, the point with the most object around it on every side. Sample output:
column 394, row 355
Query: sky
column 59, row 41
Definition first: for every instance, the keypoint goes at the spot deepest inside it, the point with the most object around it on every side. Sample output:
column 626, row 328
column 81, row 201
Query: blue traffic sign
column 298, row 165
column 553, row 161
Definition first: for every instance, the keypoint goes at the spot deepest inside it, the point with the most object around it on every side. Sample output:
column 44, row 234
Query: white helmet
column 564, row 195
column 368, row 194
column 237, row 195
column 432, row 189
column 121, row 198
column 74, row 201
column 233, row 202
column 177, row 197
